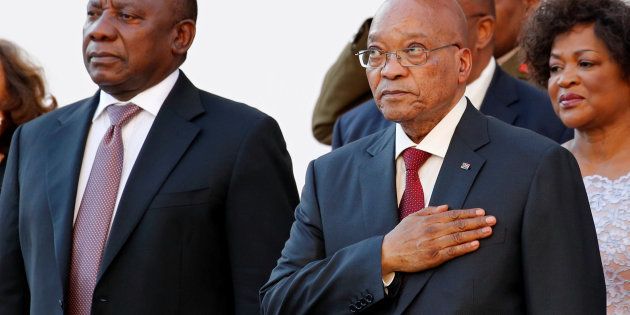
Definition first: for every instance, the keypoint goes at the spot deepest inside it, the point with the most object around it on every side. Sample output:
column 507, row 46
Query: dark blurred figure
column 22, row 94
column 489, row 88
column 579, row 50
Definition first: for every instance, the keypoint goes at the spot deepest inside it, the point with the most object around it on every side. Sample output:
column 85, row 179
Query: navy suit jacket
column 508, row 99
column 542, row 258
column 204, row 214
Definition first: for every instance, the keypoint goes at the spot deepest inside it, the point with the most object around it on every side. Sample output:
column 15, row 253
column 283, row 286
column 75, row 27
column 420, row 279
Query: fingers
column 454, row 215
column 469, row 224
column 458, row 250
column 459, row 238
column 457, row 221
column 432, row 210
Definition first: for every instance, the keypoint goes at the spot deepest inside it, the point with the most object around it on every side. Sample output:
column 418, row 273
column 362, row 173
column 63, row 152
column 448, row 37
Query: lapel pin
column 465, row 166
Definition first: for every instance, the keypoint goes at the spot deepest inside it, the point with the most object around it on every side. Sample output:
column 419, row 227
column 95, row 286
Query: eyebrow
column 577, row 52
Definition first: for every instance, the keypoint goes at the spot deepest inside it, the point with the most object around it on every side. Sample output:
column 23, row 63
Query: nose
column 568, row 77
column 392, row 69
column 99, row 28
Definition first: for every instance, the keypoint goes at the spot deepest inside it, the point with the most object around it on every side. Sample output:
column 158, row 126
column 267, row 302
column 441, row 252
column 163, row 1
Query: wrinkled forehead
column 428, row 21
column 121, row 4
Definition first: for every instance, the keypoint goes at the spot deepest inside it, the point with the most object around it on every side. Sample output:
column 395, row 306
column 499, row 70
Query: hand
column 432, row 236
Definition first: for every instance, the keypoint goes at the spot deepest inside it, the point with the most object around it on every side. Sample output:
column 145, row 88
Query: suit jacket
column 202, row 218
column 542, row 258
column 508, row 99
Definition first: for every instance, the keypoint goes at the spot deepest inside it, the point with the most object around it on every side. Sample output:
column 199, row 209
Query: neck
column 604, row 150
column 416, row 129
column 479, row 65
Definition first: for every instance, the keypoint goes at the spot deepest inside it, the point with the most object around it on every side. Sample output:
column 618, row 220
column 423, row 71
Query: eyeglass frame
column 398, row 58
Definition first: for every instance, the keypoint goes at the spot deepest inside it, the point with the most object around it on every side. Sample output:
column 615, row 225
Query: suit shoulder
column 516, row 139
column 530, row 92
column 360, row 112
column 236, row 110
column 44, row 121
column 351, row 150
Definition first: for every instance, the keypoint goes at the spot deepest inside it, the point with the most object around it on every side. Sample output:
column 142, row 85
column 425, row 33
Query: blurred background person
column 511, row 15
column 22, row 94
column 579, row 50
column 344, row 87
column 489, row 88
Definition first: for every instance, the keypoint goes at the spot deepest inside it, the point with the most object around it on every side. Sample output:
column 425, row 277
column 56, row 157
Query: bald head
column 428, row 77
column 434, row 12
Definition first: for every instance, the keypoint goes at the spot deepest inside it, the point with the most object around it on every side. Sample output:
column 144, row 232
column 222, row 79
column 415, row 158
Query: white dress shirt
column 134, row 132
column 476, row 90
column 435, row 142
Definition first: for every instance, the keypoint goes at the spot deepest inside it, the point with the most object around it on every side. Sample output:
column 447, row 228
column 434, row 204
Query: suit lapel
column 458, row 172
column 379, row 201
column 169, row 138
column 500, row 96
column 63, row 167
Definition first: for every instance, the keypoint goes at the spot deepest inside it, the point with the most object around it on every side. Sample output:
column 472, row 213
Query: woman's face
column 585, row 84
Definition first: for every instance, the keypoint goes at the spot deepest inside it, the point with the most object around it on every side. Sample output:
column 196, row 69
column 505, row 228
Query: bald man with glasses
column 447, row 211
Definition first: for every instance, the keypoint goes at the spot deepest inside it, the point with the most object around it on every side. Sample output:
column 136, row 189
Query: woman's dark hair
column 611, row 19
column 27, row 98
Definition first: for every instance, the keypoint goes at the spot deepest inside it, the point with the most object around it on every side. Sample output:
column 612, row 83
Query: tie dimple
column 413, row 196
column 95, row 212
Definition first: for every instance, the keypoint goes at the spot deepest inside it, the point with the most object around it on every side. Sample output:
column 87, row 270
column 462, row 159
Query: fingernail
column 486, row 230
column 474, row 243
column 480, row 212
column 491, row 220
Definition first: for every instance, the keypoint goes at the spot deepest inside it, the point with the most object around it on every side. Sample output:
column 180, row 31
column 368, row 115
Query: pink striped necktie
column 413, row 196
column 95, row 212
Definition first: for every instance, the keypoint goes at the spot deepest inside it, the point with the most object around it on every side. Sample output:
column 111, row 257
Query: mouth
column 393, row 93
column 569, row 100
column 102, row 57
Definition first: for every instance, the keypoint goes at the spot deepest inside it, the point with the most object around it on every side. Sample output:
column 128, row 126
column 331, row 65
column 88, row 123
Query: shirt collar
column 438, row 139
column 476, row 90
column 149, row 100
column 503, row 59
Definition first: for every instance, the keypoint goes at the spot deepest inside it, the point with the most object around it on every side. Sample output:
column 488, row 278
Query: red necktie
column 95, row 212
column 413, row 197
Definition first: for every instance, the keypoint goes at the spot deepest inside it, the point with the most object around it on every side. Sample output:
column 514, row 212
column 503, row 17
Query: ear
column 485, row 31
column 184, row 34
column 465, row 65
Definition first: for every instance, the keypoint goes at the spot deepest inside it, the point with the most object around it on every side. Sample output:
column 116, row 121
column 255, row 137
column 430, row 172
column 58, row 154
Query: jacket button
column 353, row 309
column 369, row 298
column 60, row 303
column 102, row 299
column 359, row 305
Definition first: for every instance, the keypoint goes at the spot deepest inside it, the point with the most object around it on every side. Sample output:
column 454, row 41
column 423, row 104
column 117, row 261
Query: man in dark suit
column 179, row 205
column 490, row 89
column 518, row 238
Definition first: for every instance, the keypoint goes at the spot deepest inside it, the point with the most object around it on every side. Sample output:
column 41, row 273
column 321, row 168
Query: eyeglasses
column 408, row 57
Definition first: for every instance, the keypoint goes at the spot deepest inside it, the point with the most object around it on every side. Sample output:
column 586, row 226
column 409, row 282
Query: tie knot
column 414, row 158
column 120, row 115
